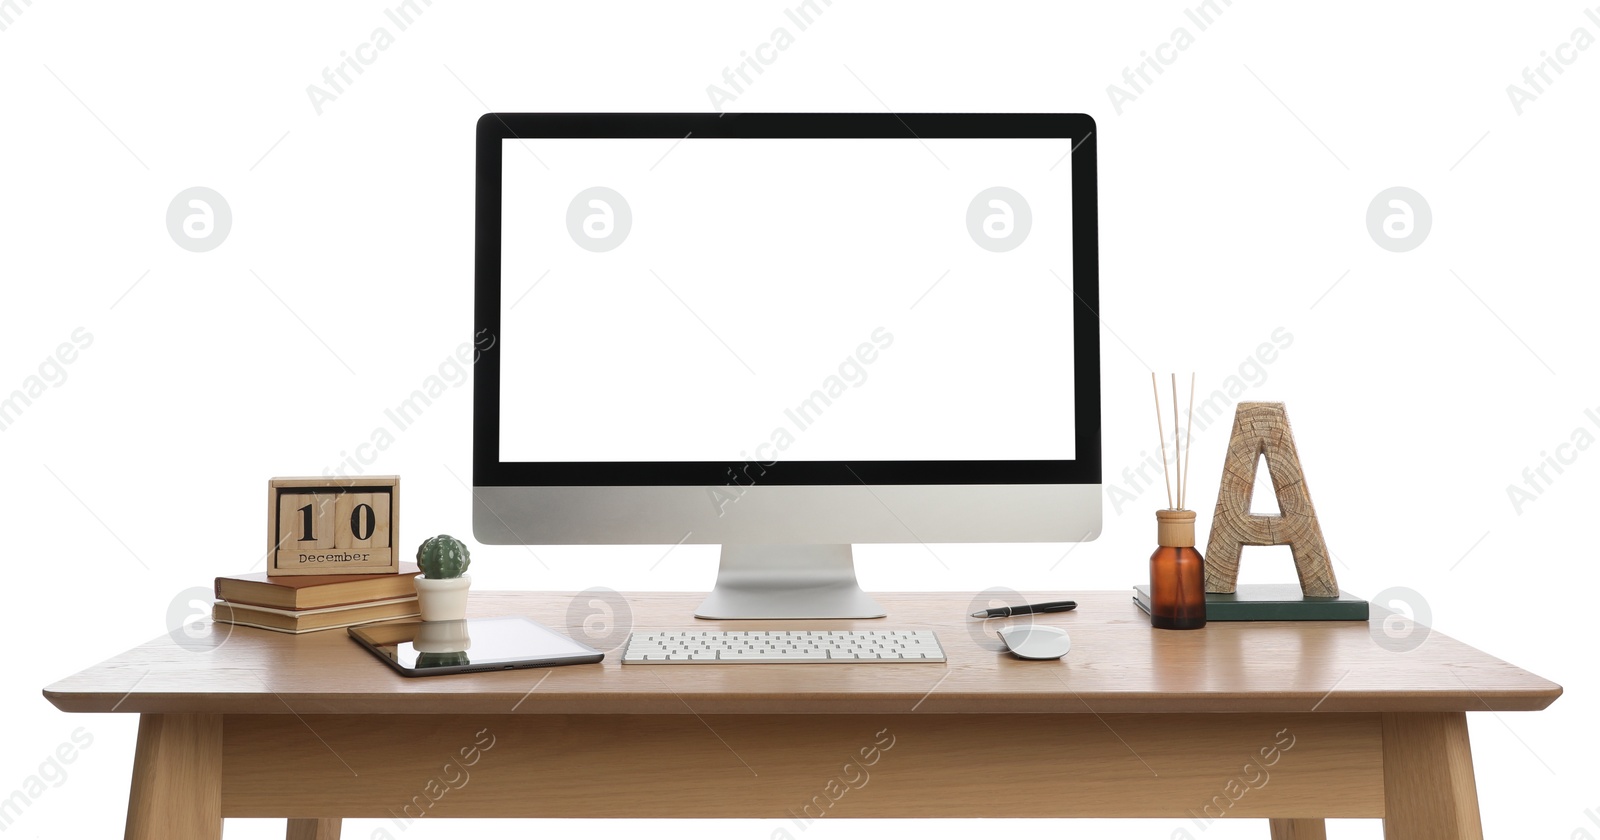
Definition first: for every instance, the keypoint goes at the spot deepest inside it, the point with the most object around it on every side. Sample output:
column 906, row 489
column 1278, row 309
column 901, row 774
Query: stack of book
column 302, row 603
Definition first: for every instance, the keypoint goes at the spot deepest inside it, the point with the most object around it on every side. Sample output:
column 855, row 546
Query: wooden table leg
column 1428, row 785
column 177, row 779
column 314, row 829
column 1299, row 830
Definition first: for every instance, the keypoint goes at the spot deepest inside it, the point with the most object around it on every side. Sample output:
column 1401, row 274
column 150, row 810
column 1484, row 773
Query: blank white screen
column 785, row 299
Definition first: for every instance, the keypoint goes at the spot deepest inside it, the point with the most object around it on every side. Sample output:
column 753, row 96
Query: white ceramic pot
column 444, row 599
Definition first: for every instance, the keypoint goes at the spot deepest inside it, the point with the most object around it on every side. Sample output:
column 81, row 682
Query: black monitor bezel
column 1078, row 129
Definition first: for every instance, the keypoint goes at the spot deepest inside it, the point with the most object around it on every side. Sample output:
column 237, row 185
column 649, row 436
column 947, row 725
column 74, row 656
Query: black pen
column 1026, row 609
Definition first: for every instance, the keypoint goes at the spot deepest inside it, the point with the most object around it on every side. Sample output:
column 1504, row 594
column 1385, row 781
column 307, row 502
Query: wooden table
column 1292, row 722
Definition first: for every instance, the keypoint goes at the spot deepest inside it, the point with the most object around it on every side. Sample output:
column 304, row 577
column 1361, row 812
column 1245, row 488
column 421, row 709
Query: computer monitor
column 785, row 334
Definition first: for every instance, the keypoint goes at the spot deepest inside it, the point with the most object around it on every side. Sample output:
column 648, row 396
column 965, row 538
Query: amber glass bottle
column 1177, row 574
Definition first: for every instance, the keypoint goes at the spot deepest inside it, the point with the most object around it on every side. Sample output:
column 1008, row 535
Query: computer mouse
column 1034, row 641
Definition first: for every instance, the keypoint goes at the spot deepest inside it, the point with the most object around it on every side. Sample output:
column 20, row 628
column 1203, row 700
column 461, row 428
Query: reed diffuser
column 1177, row 571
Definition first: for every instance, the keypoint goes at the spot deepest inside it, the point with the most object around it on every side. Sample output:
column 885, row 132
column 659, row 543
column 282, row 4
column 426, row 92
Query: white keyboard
column 677, row 647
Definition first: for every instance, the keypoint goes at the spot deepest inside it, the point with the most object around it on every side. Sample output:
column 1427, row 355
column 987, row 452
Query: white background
column 752, row 270
column 1233, row 198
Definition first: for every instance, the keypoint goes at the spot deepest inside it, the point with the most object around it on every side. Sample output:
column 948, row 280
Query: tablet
column 426, row 648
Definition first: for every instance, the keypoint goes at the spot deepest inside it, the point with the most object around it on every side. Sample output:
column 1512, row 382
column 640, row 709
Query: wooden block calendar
column 333, row 525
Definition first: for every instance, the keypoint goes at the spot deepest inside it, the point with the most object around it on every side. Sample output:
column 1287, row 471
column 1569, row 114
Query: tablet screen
column 477, row 644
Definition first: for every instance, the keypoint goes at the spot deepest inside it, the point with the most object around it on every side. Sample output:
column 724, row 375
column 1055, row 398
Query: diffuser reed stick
column 1177, row 443
column 1161, row 436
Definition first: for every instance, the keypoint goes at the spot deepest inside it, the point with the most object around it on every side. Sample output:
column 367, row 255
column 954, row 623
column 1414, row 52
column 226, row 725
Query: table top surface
column 1118, row 664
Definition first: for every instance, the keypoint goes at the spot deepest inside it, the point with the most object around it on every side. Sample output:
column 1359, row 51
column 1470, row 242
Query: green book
column 1271, row 602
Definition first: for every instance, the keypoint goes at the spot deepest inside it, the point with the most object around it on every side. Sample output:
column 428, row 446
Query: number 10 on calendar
column 333, row 526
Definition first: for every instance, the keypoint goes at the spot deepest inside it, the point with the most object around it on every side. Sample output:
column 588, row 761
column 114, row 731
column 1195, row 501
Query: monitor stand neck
column 788, row 581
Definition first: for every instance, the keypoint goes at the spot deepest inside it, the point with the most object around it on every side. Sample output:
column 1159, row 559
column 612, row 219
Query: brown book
column 310, row 592
column 304, row 621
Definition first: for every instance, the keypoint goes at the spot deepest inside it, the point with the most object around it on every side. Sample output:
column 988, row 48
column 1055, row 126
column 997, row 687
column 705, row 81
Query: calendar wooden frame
column 345, row 525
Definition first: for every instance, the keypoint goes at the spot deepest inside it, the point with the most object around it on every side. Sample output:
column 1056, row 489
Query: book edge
column 299, row 631
column 318, row 610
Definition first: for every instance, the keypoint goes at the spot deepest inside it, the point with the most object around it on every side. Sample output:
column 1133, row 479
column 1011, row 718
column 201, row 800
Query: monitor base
column 788, row 582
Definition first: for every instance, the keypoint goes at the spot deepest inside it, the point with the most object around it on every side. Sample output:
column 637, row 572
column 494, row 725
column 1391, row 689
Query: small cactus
column 443, row 556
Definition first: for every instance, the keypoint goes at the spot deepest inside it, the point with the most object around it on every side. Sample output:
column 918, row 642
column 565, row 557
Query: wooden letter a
column 1261, row 430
